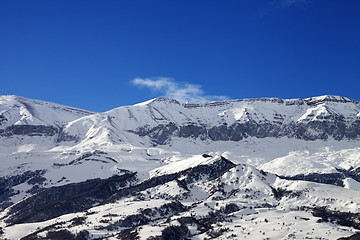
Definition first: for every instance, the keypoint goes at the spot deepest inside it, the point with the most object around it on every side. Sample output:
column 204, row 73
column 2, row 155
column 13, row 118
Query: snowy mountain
column 22, row 116
column 162, row 119
column 17, row 111
column 264, row 168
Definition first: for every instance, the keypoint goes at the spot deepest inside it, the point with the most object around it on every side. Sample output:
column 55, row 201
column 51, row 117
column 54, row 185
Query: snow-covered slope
column 208, row 197
column 15, row 110
column 251, row 168
column 162, row 119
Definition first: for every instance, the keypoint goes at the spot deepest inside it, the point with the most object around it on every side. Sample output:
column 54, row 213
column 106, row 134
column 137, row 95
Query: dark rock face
column 213, row 171
column 175, row 233
column 280, row 193
column 6, row 183
column 96, row 156
column 229, row 208
column 30, row 130
column 353, row 173
column 159, row 134
column 342, row 218
column 36, row 130
column 148, row 215
column 326, row 178
column 59, row 235
column 336, row 179
column 309, row 131
column 163, row 133
column 2, row 119
column 76, row 197
column 64, row 137
column 56, row 201
column 192, row 131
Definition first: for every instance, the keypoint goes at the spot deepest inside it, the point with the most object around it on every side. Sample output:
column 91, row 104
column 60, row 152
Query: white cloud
column 177, row 90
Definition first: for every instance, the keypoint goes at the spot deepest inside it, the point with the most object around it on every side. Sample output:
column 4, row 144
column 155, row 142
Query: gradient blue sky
column 98, row 55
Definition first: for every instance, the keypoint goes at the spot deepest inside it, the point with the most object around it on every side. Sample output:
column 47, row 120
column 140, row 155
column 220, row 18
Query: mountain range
column 263, row 168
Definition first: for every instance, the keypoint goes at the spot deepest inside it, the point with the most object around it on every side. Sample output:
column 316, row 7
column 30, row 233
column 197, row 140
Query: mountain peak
column 17, row 110
column 165, row 100
column 159, row 100
column 329, row 98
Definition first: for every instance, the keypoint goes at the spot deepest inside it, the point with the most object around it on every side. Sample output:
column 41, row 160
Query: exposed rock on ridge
column 308, row 119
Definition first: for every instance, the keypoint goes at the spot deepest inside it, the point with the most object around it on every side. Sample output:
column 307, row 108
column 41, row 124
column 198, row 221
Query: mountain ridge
column 162, row 169
column 320, row 98
column 160, row 122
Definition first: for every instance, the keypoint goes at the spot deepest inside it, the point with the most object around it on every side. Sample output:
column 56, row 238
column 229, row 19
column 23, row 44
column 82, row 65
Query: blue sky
column 98, row 55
